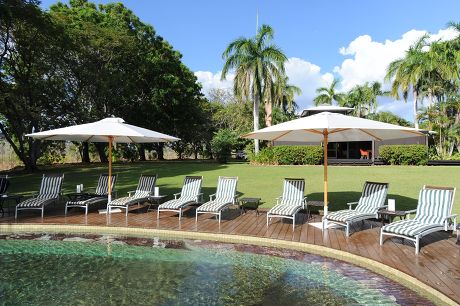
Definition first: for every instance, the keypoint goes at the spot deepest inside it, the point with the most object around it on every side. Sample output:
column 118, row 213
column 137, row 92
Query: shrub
column 222, row 144
column 404, row 154
column 288, row 155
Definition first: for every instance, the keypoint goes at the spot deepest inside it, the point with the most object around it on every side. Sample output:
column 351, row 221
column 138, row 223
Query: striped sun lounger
column 372, row 199
column 144, row 190
column 50, row 191
column 190, row 194
column 224, row 197
column 291, row 201
column 433, row 214
column 100, row 195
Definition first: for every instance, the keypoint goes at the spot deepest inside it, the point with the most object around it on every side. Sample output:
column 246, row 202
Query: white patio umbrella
column 111, row 130
column 326, row 126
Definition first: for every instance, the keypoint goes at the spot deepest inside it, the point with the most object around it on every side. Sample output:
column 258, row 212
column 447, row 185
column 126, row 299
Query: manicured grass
column 345, row 182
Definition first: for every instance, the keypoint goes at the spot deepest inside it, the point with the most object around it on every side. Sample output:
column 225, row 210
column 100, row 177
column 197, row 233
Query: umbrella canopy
column 99, row 131
column 111, row 130
column 325, row 127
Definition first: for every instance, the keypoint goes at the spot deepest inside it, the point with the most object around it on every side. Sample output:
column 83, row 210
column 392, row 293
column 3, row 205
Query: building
column 352, row 152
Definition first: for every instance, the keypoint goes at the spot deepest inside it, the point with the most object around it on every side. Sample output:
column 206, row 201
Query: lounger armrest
column 351, row 204
column 409, row 212
column 211, row 196
column 199, row 197
column 131, row 192
column 304, row 202
column 446, row 221
column 278, row 200
column 177, row 194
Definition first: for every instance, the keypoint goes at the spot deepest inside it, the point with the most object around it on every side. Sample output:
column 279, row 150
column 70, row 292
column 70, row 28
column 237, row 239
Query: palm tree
column 258, row 65
column 326, row 95
column 285, row 94
column 407, row 73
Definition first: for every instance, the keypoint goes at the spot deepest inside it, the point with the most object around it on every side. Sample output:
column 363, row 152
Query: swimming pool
column 40, row 269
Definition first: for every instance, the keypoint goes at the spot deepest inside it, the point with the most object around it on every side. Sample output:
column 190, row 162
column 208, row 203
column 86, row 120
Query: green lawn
column 345, row 183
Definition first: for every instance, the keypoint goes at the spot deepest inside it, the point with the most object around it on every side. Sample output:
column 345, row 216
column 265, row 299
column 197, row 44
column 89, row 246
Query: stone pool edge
column 409, row 281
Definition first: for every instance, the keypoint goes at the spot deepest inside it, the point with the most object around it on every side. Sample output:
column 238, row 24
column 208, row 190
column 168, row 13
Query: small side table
column 155, row 200
column 391, row 215
column 77, row 196
column 4, row 198
column 318, row 204
column 249, row 204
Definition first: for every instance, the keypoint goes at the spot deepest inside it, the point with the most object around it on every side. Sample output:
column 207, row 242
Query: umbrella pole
column 325, row 142
column 109, row 196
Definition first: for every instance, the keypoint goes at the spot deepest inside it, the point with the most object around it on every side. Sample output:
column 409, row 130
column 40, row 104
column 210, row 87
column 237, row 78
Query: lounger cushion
column 36, row 202
column 434, row 205
column 86, row 202
column 102, row 187
column 178, row 203
column 284, row 209
column 126, row 201
column 214, row 206
column 372, row 198
column 409, row 228
column 348, row 215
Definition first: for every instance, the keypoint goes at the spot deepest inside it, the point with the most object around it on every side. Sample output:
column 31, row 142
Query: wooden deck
column 437, row 265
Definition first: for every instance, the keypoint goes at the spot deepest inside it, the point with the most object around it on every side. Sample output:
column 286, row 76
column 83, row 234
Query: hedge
column 289, row 155
column 404, row 154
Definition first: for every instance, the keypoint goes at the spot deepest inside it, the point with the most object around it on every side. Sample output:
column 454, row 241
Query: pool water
column 110, row 271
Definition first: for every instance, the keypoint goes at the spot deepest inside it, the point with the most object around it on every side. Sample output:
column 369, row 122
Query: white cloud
column 369, row 59
column 211, row 80
column 301, row 73
column 308, row 77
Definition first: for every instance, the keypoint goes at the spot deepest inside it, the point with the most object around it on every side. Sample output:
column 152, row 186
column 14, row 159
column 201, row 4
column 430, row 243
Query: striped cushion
column 145, row 186
column 409, row 227
column 226, row 189
column 103, row 184
column 293, row 192
column 214, row 206
column 51, row 186
column 87, row 201
column 36, row 202
column 372, row 198
column 347, row 215
column 433, row 205
column 225, row 195
column 177, row 203
column 284, row 209
column 191, row 187
column 126, row 201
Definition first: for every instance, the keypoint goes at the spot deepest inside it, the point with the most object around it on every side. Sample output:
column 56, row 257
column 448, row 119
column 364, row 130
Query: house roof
column 326, row 108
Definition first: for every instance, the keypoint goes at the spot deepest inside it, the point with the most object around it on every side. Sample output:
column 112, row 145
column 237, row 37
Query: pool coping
column 400, row 277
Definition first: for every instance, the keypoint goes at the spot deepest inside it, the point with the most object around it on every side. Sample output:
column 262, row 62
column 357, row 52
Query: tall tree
column 258, row 64
column 407, row 73
column 32, row 77
column 326, row 95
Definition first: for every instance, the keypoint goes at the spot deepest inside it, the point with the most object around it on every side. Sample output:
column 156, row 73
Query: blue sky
column 352, row 40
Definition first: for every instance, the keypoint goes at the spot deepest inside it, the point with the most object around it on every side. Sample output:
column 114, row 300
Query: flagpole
column 325, row 134
column 109, row 196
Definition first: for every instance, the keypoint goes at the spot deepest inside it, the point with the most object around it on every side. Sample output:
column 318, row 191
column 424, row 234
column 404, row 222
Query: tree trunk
column 268, row 113
column 430, row 97
column 256, row 121
column 85, row 153
column 160, row 153
column 101, row 151
column 141, row 150
column 415, row 109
